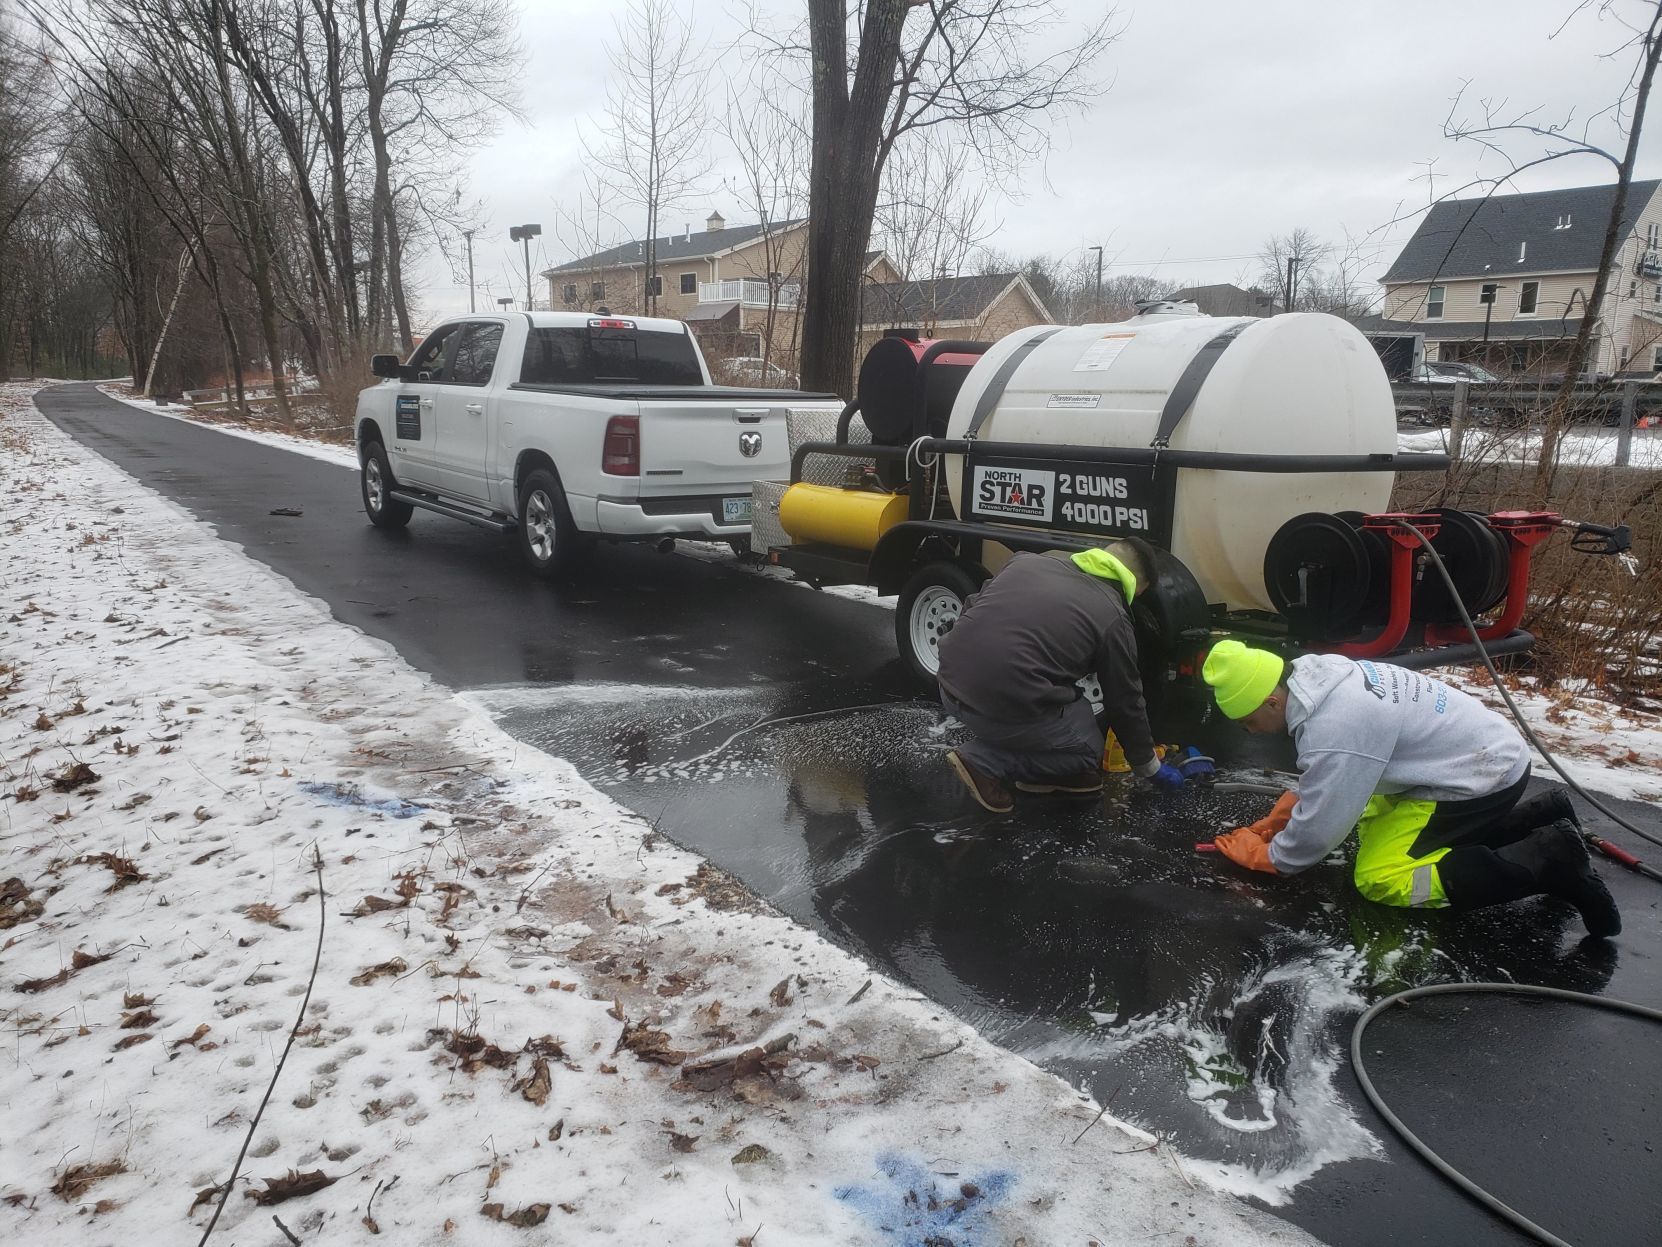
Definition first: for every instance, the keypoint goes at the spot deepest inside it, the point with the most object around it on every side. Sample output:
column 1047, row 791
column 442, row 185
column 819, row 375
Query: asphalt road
column 771, row 728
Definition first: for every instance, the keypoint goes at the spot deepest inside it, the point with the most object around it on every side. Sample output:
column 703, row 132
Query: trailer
column 1262, row 502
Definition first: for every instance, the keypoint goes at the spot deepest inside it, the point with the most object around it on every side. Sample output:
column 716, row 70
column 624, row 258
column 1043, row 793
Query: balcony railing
column 747, row 292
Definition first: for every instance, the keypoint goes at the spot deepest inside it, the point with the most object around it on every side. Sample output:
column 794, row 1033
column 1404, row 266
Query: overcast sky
column 1221, row 123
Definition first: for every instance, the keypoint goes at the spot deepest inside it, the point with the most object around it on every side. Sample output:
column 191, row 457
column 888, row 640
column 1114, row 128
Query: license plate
column 735, row 510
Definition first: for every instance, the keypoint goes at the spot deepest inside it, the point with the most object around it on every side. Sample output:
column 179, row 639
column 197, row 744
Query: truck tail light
column 620, row 454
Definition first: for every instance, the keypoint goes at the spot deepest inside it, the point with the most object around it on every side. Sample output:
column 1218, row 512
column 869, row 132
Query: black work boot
column 1557, row 860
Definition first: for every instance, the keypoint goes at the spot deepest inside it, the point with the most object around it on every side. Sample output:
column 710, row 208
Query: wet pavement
column 771, row 729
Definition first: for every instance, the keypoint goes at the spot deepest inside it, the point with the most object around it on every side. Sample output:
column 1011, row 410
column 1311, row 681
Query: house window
column 568, row 292
column 1621, row 363
column 1633, row 289
column 689, row 283
column 1656, row 293
column 597, row 290
column 1434, row 303
column 655, row 285
column 1488, row 293
column 1652, row 233
column 1528, row 296
column 1656, row 359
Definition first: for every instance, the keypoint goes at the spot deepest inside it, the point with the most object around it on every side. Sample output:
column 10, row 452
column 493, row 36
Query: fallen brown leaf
column 269, row 914
column 193, row 1038
column 123, row 868
column 73, row 1182
column 137, row 1019
column 132, row 1040
column 524, row 1218
column 76, row 775
column 536, row 1086
column 369, row 974
column 650, row 1045
column 293, row 1185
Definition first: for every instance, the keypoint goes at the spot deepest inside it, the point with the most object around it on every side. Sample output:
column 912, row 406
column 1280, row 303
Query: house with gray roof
column 1504, row 280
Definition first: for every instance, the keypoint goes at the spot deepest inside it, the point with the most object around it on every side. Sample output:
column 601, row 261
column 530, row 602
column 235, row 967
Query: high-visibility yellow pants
column 1384, row 870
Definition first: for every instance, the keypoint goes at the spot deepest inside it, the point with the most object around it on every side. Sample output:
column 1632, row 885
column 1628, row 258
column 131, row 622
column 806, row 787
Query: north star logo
column 750, row 444
column 1016, row 492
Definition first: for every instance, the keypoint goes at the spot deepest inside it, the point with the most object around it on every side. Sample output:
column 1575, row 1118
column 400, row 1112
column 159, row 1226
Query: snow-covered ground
column 1577, row 449
column 310, row 446
column 527, row 1008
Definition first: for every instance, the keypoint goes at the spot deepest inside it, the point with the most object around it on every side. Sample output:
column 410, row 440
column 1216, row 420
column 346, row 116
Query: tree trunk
column 843, row 180
column 1560, row 412
column 167, row 322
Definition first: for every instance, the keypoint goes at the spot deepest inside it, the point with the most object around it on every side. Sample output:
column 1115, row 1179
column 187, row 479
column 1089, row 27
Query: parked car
column 564, row 427
column 1460, row 371
column 754, row 370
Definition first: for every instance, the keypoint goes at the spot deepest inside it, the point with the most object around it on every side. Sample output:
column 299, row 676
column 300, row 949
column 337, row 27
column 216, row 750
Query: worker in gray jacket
column 1430, row 778
column 1010, row 672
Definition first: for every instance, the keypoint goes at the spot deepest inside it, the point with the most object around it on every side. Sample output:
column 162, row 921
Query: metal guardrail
column 1622, row 404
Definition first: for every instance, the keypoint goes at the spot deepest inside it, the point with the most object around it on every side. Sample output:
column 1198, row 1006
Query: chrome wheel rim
column 934, row 612
column 539, row 525
column 374, row 488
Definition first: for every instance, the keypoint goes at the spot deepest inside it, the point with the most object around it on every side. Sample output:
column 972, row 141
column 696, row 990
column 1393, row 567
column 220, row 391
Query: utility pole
column 1487, row 297
column 1292, row 278
column 524, row 234
column 1096, row 303
column 468, row 234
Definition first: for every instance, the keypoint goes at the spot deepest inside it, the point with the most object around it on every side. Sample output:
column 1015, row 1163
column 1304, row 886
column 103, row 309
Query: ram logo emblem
column 750, row 444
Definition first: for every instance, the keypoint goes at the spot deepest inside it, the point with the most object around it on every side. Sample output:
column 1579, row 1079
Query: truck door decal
column 409, row 418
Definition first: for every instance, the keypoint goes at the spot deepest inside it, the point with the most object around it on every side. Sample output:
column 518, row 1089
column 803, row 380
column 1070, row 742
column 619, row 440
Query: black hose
column 1529, row 732
column 1494, row 1205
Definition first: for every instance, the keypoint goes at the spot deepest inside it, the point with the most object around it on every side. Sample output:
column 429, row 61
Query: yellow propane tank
column 852, row 518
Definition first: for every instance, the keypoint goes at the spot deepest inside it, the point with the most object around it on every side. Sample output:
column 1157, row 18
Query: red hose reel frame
column 1523, row 531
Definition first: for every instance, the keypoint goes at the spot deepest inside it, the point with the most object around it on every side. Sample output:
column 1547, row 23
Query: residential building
column 1225, row 299
column 984, row 306
column 739, row 288
column 1504, row 281
column 722, row 280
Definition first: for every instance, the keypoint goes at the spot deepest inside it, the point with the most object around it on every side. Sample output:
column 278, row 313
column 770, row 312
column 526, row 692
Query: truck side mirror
column 389, row 366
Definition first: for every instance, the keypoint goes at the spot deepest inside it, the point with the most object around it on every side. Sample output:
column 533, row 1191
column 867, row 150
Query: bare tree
column 889, row 68
column 771, row 142
column 1287, row 262
column 934, row 212
column 1495, row 133
column 652, row 137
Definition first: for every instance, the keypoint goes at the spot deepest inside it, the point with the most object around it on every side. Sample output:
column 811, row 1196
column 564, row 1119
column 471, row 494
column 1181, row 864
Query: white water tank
column 1299, row 384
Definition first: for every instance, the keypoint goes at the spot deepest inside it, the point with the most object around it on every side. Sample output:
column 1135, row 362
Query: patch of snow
column 514, row 985
column 1576, row 450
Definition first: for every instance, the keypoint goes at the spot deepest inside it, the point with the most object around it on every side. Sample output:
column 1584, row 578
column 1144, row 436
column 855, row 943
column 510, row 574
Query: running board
column 455, row 511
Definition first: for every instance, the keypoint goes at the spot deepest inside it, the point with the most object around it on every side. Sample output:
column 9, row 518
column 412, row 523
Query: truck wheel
column 929, row 606
column 375, row 480
column 547, row 537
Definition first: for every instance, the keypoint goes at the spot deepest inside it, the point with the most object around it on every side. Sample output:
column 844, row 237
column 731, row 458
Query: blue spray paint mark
column 347, row 794
column 919, row 1208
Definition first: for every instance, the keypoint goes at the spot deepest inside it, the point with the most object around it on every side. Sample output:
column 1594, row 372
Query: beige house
column 740, row 290
column 729, row 283
column 1504, row 281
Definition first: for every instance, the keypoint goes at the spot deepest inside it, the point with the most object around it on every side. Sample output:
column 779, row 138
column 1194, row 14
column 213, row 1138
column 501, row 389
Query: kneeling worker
column 1010, row 669
column 1428, row 775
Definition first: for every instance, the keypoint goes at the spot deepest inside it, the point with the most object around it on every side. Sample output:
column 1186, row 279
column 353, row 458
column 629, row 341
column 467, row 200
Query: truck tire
column 548, row 539
column 929, row 605
column 376, row 483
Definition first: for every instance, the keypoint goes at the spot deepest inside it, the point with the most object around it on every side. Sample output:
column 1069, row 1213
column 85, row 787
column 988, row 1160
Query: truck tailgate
column 712, row 445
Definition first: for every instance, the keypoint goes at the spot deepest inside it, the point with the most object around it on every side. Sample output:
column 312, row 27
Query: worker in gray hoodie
column 1010, row 672
column 1430, row 778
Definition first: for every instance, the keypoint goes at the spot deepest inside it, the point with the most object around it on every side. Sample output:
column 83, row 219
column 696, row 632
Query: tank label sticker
column 1100, row 355
column 1112, row 500
column 1022, row 492
column 1074, row 402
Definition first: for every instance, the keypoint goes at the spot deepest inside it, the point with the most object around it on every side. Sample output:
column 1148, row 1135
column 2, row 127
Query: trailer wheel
column 929, row 606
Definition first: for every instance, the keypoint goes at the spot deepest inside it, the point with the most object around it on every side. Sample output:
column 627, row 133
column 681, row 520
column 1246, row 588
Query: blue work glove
column 1168, row 778
column 1194, row 764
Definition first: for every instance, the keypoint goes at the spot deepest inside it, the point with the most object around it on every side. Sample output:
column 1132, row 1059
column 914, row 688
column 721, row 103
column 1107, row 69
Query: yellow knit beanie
column 1241, row 677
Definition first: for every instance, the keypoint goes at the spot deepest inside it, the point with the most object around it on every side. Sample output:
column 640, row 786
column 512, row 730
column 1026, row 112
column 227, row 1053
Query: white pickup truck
column 565, row 427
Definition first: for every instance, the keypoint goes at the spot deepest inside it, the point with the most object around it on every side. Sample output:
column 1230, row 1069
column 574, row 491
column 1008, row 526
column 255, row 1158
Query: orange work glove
column 1244, row 848
column 1278, row 818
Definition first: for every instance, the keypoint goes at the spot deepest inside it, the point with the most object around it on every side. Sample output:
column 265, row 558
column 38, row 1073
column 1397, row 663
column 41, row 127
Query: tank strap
column 1183, row 394
column 995, row 388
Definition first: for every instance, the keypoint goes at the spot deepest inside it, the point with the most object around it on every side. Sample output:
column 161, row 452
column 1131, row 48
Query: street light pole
column 468, row 234
column 1096, row 301
column 524, row 234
